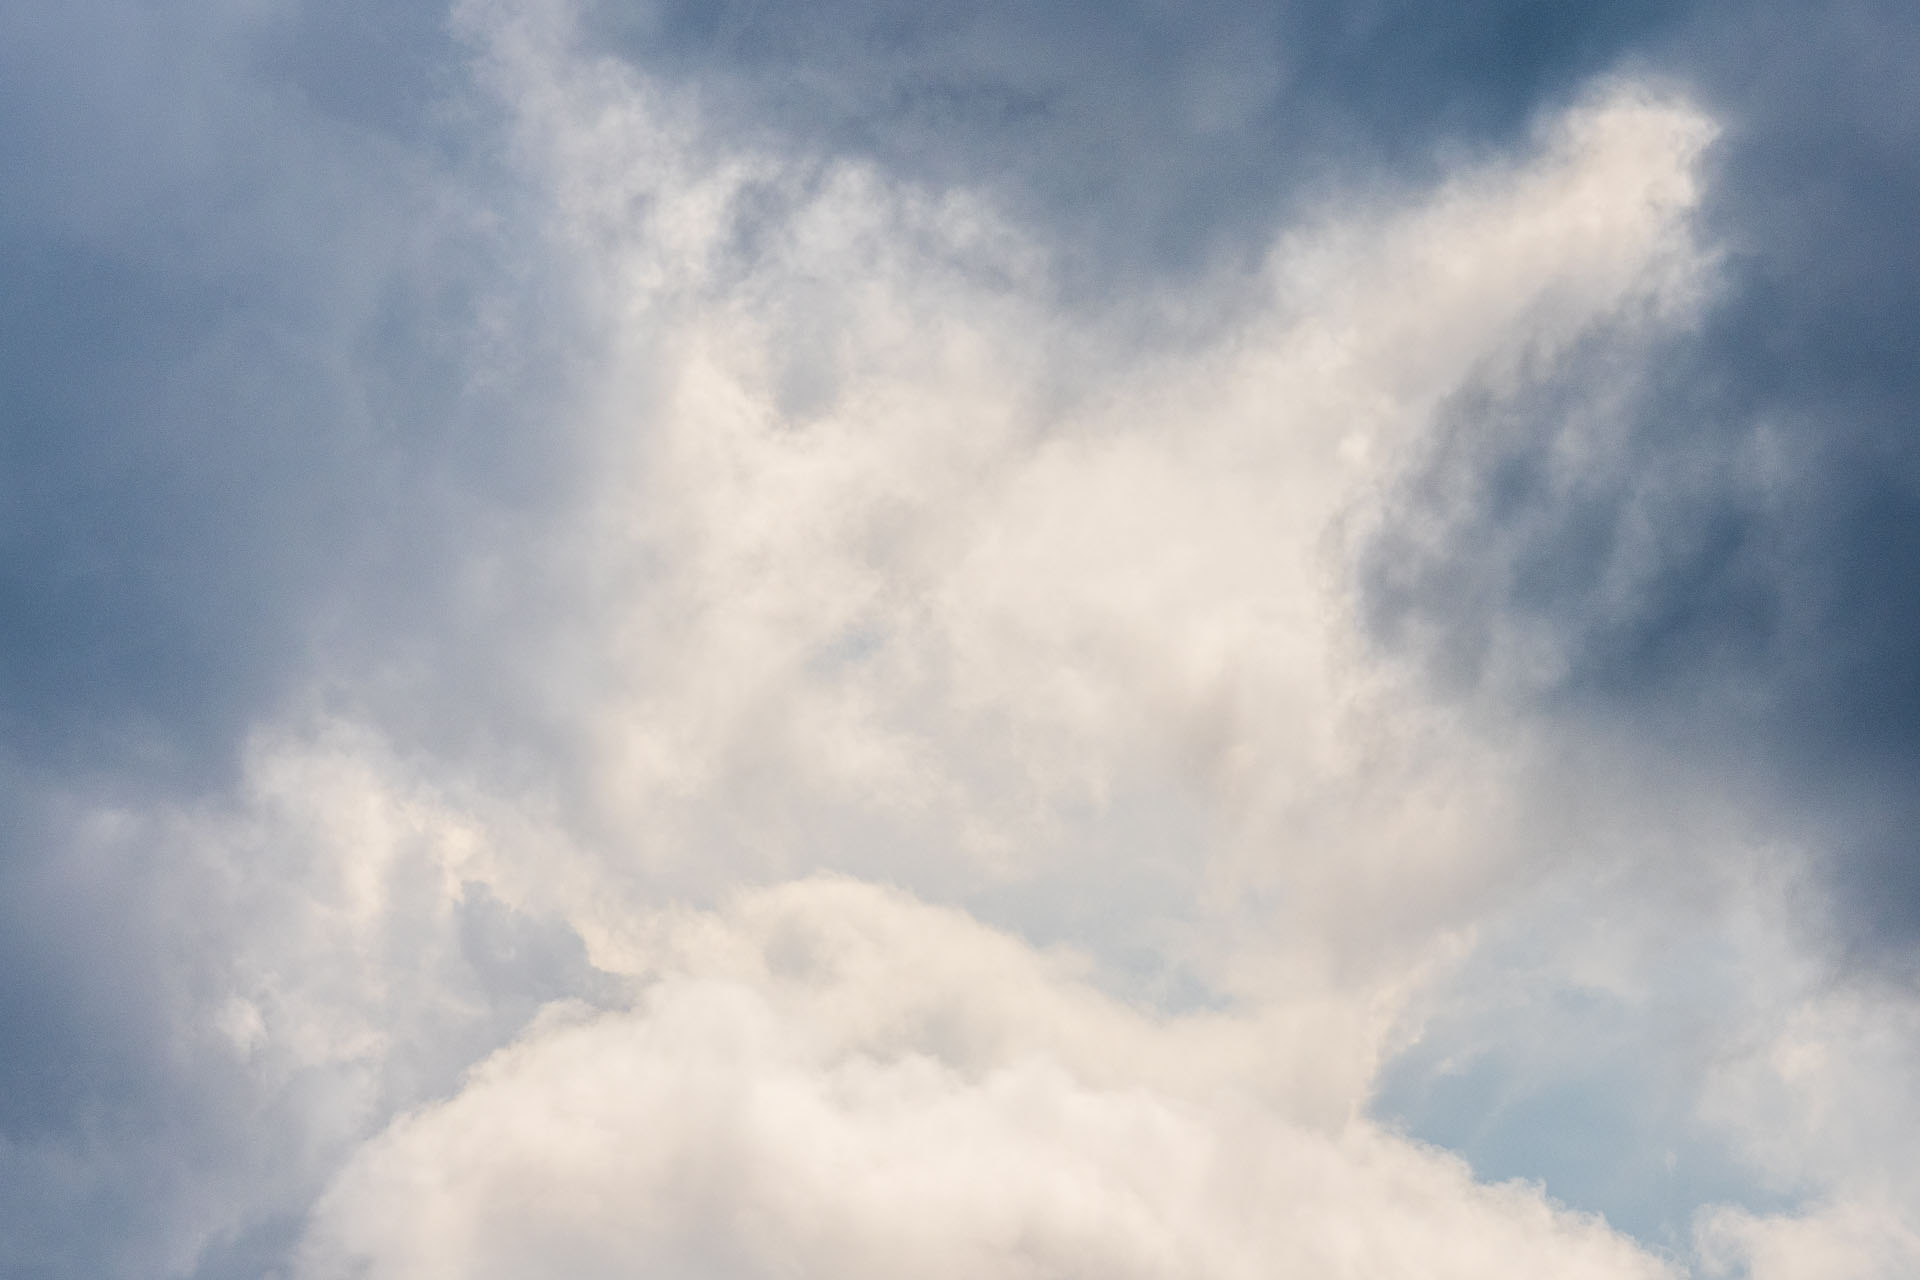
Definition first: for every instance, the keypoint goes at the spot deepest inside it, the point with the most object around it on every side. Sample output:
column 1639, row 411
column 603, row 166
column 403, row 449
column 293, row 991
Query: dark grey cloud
column 251, row 415
column 1736, row 574
column 241, row 270
column 1141, row 138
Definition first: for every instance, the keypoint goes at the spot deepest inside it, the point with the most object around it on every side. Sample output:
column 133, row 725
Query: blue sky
column 728, row 640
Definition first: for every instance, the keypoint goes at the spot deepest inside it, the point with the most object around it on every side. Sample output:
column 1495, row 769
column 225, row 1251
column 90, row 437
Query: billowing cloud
column 843, row 1082
column 1048, row 643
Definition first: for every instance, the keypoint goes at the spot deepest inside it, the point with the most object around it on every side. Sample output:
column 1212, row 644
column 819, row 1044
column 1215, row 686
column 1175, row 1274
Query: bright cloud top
column 856, row 1085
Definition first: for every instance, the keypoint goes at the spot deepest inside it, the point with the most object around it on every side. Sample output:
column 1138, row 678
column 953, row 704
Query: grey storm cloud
column 1146, row 138
column 239, row 317
column 242, row 310
column 1734, row 574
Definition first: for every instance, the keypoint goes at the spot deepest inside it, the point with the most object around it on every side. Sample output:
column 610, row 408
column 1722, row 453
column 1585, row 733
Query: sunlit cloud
column 677, row 691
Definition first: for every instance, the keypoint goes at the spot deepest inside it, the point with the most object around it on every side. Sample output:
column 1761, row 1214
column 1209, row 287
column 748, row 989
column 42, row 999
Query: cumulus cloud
column 247, row 987
column 857, row 1085
column 1000, row 563
column 923, row 618
column 699, row 673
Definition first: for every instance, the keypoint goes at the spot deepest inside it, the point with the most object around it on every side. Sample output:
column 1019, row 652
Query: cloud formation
column 1728, row 573
column 849, row 1083
column 711, row 641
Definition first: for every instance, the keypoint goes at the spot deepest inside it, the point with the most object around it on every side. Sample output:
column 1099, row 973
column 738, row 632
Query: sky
column 728, row 641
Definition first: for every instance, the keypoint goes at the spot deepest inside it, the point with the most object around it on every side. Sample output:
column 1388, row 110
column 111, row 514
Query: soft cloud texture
column 1729, row 576
column 995, row 558
column 852, row 1084
column 694, row 642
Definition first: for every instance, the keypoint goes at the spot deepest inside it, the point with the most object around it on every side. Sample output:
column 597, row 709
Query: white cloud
column 1820, row 1096
column 1854, row 1238
column 899, row 567
column 895, row 566
column 931, row 808
column 852, row 1084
